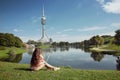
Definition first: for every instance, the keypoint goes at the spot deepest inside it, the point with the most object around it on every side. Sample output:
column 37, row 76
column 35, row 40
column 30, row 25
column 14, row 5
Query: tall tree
column 18, row 42
column 3, row 40
column 10, row 39
column 117, row 37
column 96, row 40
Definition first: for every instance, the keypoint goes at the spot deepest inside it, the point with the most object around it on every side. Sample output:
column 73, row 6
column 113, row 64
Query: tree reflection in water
column 64, row 49
column 97, row 56
column 118, row 63
column 13, row 58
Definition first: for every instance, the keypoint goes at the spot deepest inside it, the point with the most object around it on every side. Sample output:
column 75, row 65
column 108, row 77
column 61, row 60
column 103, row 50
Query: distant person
column 38, row 62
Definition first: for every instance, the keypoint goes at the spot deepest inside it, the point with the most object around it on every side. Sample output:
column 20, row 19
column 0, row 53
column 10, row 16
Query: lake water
column 75, row 58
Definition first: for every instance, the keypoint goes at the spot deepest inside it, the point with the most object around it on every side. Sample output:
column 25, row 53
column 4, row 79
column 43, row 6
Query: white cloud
column 116, row 25
column 67, row 30
column 108, row 33
column 69, row 38
column 111, row 6
column 92, row 28
column 58, row 32
column 17, row 30
column 101, row 1
column 26, row 38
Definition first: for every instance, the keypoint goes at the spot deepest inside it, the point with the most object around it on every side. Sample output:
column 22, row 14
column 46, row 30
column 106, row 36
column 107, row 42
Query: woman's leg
column 44, row 64
column 40, row 67
column 34, row 68
column 50, row 66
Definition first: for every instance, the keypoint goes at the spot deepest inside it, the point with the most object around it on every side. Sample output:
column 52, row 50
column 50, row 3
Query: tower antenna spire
column 43, row 9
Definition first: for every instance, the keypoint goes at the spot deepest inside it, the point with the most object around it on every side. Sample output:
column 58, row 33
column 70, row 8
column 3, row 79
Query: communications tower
column 44, row 38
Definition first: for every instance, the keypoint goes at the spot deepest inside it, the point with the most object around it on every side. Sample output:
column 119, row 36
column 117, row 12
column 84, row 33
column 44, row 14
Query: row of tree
column 117, row 37
column 93, row 41
column 100, row 40
column 54, row 44
column 60, row 44
column 9, row 40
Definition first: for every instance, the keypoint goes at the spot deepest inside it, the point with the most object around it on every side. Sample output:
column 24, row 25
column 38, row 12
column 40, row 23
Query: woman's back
column 36, row 58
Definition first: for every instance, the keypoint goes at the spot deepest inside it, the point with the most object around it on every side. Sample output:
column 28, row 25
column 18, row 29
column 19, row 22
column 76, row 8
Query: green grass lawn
column 44, row 46
column 112, row 47
column 4, row 53
column 15, row 71
column 106, row 48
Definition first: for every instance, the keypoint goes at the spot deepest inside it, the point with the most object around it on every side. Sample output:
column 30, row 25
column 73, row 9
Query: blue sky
column 66, row 20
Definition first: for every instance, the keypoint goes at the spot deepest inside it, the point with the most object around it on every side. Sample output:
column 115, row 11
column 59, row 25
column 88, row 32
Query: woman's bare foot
column 56, row 68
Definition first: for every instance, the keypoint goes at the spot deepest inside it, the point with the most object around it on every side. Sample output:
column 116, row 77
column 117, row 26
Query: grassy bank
column 14, row 71
column 44, row 46
column 4, row 53
column 112, row 47
column 106, row 48
column 102, row 50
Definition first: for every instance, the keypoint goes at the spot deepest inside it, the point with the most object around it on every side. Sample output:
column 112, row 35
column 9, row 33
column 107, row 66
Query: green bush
column 9, row 40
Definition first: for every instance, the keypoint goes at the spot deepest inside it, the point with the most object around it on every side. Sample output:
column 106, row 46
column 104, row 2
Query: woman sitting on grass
column 38, row 62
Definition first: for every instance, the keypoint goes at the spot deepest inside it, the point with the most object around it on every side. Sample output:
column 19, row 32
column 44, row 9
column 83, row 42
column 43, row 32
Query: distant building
column 50, row 40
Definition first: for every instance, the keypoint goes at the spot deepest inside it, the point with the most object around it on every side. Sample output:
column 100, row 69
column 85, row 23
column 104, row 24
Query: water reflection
column 64, row 49
column 97, row 56
column 13, row 58
column 85, row 49
column 75, row 57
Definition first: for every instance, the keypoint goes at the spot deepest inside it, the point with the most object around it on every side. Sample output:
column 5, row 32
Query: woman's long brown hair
column 35, row 57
